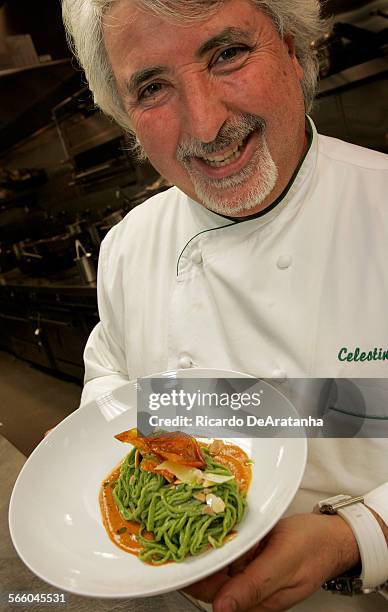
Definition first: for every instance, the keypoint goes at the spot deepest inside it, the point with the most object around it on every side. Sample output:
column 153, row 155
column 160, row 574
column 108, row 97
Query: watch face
column 346, row 584
column 331, row 505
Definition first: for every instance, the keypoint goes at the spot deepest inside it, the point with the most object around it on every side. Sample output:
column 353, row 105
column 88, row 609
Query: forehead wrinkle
column 226, row 36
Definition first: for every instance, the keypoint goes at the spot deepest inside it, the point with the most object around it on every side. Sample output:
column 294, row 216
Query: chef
column 266, row 257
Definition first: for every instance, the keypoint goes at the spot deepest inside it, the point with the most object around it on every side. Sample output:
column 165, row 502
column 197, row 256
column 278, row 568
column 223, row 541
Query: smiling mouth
column 227, row 161
column 218, row 160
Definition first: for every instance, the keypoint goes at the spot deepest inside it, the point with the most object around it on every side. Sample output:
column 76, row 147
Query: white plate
column 54, row 514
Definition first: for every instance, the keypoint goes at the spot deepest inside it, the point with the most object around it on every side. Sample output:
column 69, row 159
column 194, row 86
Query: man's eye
column 230, row 54
column 150, row 91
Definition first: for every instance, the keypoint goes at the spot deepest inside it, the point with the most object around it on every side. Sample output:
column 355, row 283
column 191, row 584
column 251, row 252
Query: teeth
column 226, row 162
column 226, row 158
column 218, row 158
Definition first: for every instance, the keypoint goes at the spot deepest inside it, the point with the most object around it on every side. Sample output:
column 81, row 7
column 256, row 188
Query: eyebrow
column 226, row 37
column 141, row 76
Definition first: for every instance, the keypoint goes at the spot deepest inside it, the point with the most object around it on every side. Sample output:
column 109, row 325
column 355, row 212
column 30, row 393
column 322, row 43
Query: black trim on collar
column 263, row 212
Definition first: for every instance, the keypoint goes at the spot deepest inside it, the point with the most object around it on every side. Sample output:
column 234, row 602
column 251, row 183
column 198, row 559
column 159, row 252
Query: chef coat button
column 196, row 256
column 284, row 262
column 185, row 362
column 279, row 375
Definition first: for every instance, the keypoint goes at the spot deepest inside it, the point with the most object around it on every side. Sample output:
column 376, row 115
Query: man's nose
column 203, row 110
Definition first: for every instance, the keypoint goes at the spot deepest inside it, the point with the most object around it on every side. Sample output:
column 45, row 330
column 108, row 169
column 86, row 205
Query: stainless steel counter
column 66, row 279
column 47, row 320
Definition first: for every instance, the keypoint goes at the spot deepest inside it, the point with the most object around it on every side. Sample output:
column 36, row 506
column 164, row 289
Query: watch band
column 370, row 539
column 378, row 501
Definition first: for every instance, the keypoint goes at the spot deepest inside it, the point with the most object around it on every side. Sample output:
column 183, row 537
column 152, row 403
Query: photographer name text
column 247, row 420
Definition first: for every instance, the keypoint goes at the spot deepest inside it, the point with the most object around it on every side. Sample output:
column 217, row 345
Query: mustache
column 232, row 131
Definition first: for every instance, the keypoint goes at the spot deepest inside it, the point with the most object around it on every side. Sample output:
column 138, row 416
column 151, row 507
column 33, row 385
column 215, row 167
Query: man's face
column 215, row 103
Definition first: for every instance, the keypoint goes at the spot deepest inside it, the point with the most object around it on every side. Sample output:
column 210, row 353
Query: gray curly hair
column 83, row 22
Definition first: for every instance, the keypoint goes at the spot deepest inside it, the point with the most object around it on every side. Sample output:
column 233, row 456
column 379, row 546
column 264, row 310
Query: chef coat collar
column 261, row 213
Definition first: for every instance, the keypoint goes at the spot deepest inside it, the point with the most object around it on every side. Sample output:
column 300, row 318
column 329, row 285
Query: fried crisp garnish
column 173, row 446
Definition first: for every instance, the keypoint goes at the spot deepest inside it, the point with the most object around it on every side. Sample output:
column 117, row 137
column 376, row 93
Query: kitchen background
column 67, row 176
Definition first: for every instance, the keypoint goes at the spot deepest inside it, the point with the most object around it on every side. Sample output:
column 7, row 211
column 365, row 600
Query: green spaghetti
column 175, row 516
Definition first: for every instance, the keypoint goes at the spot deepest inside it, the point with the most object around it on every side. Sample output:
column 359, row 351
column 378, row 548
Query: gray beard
column 210, row 191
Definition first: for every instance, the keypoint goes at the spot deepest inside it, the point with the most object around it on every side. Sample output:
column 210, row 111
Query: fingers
column 206, row 589
column 46, row 433
column 265, row 575
column 240, row 564
column 281, row 601
column 244, row 591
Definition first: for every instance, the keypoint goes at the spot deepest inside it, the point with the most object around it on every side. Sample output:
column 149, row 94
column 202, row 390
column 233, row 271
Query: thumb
column 206, row 589
column 258, row 581
column 242, row 592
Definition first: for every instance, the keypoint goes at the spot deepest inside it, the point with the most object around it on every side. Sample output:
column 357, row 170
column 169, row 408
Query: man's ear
column 290, row 44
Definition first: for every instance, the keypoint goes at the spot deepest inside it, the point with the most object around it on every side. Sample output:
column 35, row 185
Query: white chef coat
column 289, row 294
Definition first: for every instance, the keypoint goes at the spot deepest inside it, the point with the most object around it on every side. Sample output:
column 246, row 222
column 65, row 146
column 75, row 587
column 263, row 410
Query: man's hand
column 292, row 562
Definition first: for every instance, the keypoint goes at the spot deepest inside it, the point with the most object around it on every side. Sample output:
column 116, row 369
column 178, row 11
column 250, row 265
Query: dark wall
column 333, row 7
column 42, row 19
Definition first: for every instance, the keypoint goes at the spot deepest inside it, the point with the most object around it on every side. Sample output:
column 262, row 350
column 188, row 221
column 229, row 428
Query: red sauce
column 237, row 461
column 123, row 533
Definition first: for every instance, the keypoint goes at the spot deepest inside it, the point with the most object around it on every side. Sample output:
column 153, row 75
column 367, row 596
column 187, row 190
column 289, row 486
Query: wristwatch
column 372, row 575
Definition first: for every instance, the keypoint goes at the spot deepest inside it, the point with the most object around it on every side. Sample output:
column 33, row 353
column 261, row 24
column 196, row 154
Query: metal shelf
column 353, row 75
column 20, row 69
